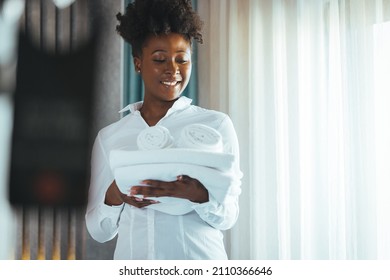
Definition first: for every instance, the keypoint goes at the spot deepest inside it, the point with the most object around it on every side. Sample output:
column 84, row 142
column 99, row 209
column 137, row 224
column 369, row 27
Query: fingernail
column 133, row 191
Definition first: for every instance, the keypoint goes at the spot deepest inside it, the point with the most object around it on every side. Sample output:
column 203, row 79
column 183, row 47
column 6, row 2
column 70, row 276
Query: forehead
column 172, row 42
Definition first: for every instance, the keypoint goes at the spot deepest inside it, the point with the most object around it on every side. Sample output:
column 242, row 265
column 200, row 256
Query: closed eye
column 183, row 61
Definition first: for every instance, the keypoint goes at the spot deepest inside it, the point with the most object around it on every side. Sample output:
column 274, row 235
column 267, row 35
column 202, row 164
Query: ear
column 137, row 64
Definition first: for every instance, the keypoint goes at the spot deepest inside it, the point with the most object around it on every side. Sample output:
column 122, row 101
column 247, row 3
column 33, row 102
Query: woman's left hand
column 184, row 187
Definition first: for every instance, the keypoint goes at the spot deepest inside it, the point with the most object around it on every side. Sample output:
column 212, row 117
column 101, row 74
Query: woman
column 161, row 35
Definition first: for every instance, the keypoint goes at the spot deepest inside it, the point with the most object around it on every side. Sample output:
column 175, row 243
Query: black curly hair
column 143, row 18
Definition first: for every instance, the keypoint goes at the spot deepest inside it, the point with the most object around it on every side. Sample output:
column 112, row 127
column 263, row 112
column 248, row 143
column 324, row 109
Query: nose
column 172, row 67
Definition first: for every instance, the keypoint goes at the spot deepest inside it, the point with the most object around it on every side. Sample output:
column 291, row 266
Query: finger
column 145, row 188
column 152, row 183
column 152, row 188
column 147, row 192
column 140, row 198
column 139, row 203
column 186, row 179
column 183, row 178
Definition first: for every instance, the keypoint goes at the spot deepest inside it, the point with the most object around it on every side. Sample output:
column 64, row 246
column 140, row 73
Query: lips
column 170, row 83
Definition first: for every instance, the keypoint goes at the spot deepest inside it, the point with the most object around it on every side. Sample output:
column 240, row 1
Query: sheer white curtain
column 307, row 86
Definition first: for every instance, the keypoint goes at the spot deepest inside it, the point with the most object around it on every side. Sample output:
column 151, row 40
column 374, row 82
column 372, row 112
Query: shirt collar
column 179, row 104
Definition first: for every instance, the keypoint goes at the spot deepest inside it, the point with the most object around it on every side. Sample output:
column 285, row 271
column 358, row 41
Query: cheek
column 186, row 72
column 155, row 71
column 152, row 75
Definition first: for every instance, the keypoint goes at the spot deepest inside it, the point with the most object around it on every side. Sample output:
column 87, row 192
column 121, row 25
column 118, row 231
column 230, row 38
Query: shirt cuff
column 203, row 209
column 111, row 212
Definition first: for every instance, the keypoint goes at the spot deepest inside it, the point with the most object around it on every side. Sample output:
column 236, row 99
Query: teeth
column 170, row 83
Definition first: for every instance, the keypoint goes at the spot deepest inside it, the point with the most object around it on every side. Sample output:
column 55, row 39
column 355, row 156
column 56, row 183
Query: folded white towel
column 154, row 137
column 220, row 161
column 199, row 155
column 200, row 136
column 172, row 205
column 221, row 185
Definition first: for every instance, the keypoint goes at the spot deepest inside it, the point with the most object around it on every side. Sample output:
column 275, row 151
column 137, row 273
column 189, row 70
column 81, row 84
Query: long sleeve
column 147, row 233
column 217, row 215
column 101, row 219
column 224, row 215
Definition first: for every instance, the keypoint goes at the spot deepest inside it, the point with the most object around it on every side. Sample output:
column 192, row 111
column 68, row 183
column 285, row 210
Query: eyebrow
column 179, row 51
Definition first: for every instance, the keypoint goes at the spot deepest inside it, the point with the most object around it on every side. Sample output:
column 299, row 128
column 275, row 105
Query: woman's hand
column 184, row 187
column 115, row 197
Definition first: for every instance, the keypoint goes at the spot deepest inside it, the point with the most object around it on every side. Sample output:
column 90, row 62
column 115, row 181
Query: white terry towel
column 199, row 156
column 200, row 145
column 154, row 137
column 220, row 161
column 201, row 137
column 221, row 185
column 172, row 205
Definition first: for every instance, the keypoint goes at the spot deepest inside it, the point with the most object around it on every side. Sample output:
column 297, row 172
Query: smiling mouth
column 171, row 84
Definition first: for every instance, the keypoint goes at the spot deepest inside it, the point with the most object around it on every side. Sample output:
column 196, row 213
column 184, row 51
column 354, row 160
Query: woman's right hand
column 115, row 197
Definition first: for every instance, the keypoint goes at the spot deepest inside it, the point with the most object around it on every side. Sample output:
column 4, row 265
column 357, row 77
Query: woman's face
column 165, row 66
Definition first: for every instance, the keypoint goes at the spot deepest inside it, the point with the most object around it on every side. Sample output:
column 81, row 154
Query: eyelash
column 163, row 60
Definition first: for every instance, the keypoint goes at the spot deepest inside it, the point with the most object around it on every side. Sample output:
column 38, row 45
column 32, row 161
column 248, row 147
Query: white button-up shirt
column 147, row 233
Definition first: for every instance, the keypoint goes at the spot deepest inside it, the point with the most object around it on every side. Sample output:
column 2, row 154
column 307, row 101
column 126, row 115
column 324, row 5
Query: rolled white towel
column 154, row 137
column 220, row 161
column 200, row 136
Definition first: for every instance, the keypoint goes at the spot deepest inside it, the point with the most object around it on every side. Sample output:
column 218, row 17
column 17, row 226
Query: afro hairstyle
column 143, row 18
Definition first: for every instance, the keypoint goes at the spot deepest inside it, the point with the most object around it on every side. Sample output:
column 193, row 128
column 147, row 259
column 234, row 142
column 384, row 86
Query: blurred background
column 56, row 59
column 306, row 85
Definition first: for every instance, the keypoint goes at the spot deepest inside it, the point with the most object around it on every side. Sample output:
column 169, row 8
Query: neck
column 153, row 112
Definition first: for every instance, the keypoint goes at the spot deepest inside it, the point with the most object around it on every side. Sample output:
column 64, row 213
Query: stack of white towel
column 197, row 153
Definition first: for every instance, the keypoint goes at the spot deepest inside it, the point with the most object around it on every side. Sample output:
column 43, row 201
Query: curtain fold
column 304, row 82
